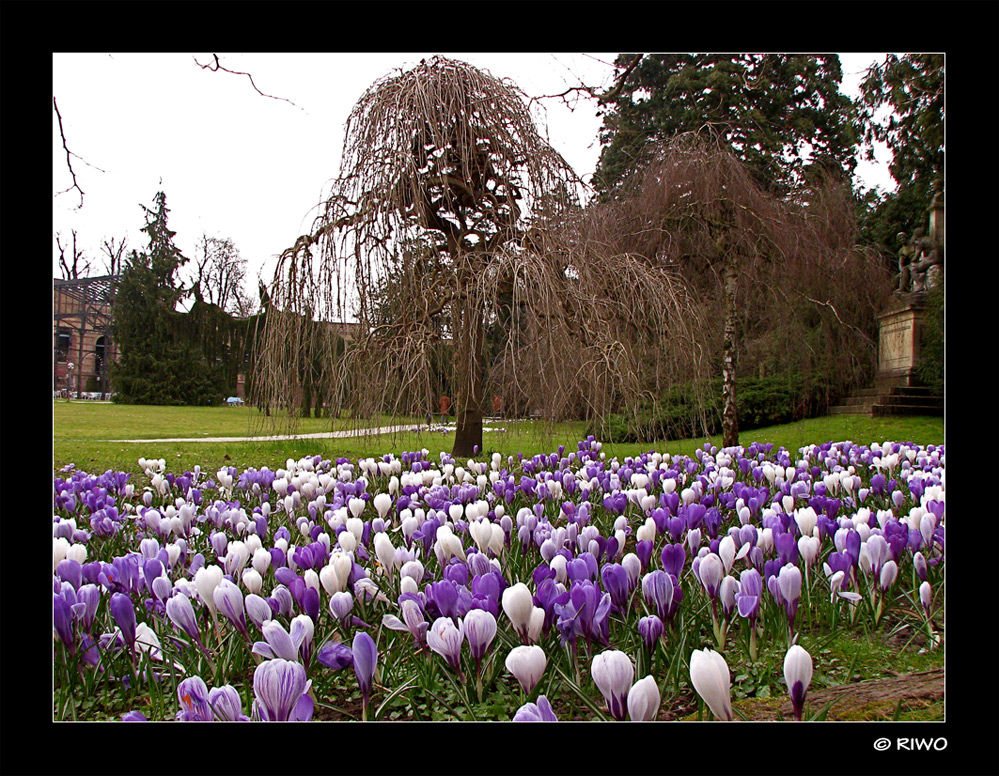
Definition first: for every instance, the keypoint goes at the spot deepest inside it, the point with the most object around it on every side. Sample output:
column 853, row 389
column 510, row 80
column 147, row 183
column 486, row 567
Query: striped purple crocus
column 280, row 690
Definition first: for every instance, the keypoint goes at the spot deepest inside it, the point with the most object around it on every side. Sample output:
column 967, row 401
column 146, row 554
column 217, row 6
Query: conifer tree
column 159, row 360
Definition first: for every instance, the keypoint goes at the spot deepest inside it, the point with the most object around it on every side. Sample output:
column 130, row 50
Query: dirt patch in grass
column 871, row 700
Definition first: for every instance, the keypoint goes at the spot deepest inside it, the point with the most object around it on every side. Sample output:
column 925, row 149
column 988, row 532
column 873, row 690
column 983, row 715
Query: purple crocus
column 226, row 704
column 536, row 712
column 673, row 557
column 124, row 616
column 750, row 593
column 651, row 629
column 365, row 661
column 280, row 689
column 181, row 613
column 615, row 579
column 657, row 589
column 228, row 600
column 335, row 655
column 193, row 696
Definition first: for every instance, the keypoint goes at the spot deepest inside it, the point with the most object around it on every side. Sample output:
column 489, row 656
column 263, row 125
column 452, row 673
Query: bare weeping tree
column 782, row 277
column 454, row 234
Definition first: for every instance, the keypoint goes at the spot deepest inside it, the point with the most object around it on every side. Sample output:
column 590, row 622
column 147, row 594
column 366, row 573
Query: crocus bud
column 527, row 664
column 613, row 673
column 518, row 605
column 643, row 700
column 798, row 675
column 710, row 677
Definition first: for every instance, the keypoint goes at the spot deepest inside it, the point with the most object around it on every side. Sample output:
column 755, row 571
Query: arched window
column 99, row 356
column 63, row 339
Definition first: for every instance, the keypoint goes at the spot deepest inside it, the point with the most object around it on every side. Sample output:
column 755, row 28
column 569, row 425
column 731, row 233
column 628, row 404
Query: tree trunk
column 469, row 337
column 730, row 416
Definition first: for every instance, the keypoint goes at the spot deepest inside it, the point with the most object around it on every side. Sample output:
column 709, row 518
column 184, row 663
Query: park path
column 279, row 437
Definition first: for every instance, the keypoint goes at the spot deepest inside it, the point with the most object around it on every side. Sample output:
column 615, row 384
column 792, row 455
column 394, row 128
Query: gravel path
column 320, row 435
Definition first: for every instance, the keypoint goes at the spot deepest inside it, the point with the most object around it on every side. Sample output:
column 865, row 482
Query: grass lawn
column 82, row 434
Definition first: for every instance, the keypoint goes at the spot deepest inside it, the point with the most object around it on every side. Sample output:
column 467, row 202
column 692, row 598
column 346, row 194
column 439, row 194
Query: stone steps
column 900, row 400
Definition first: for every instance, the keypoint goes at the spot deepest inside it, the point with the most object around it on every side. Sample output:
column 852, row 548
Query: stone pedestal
column 900, row 336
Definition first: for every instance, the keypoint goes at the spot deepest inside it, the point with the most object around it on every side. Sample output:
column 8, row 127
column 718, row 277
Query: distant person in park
column 445, row 407
column 497, row 405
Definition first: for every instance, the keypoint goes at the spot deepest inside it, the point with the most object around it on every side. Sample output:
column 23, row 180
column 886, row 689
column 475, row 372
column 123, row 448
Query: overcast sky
column 236, row 164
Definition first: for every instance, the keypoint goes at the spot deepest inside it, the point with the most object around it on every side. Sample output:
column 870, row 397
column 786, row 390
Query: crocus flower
column 124, row 616
column 643, row 700
column 889, row 572
column 181, row 614
column 518, row 603
column 749, row 595
column 536, row 712
column 798, row 675
column 480, row 630
column 226, row 704
column 228, row 599
column 279, row 643
column 613, row 673
column 657, row 589
column 711, row 571
column 193, row 696
column 280, row 689
column 444, row 638
column 710, row 677
column 206, row 580
column 789, row 584
column 365, row 661
column 651, row 629
column 335, row 655
column 527, row 664
column 926, row 597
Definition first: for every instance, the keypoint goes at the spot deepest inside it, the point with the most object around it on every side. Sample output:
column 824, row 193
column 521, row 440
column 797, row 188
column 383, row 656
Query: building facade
column 82, row 345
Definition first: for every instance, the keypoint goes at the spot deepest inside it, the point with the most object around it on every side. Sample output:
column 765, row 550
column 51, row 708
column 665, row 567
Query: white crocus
column 643, row 700
column 518, row 603
column 710, row 676
column 527, row 664
column 798, row 675
column 206, row 580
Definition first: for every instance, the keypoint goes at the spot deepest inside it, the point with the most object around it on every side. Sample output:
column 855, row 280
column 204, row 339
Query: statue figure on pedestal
column 927, row 266
column 904, row 263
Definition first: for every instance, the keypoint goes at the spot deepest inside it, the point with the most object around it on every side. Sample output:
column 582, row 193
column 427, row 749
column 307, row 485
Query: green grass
column 82, row 432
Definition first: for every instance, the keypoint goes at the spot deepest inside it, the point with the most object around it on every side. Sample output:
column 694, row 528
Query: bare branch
column 69, row 154
column 593, row 91
column 218, row 66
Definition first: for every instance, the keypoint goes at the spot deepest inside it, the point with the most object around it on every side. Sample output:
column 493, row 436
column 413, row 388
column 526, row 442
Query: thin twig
column 218, row 66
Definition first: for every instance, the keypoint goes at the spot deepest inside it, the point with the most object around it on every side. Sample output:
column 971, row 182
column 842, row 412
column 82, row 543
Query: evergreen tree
column 160, row 362
column 912, row 86
column 781, row 114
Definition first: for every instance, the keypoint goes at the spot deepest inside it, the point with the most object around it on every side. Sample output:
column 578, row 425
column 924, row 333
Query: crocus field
column 567, row 586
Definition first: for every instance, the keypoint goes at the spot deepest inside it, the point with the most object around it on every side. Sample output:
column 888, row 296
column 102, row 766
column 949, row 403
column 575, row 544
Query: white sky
column 236, row 164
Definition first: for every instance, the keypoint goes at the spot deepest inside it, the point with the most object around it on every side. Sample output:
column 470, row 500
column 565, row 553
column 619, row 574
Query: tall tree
column 776, row 280
column 446, row 157
column 76, row 265
column 902, row 105
column 778, row 113
column 159, row 360
column 220, row 276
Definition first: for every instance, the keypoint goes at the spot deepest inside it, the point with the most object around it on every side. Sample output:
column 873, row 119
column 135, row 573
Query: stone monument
column 900, row 324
